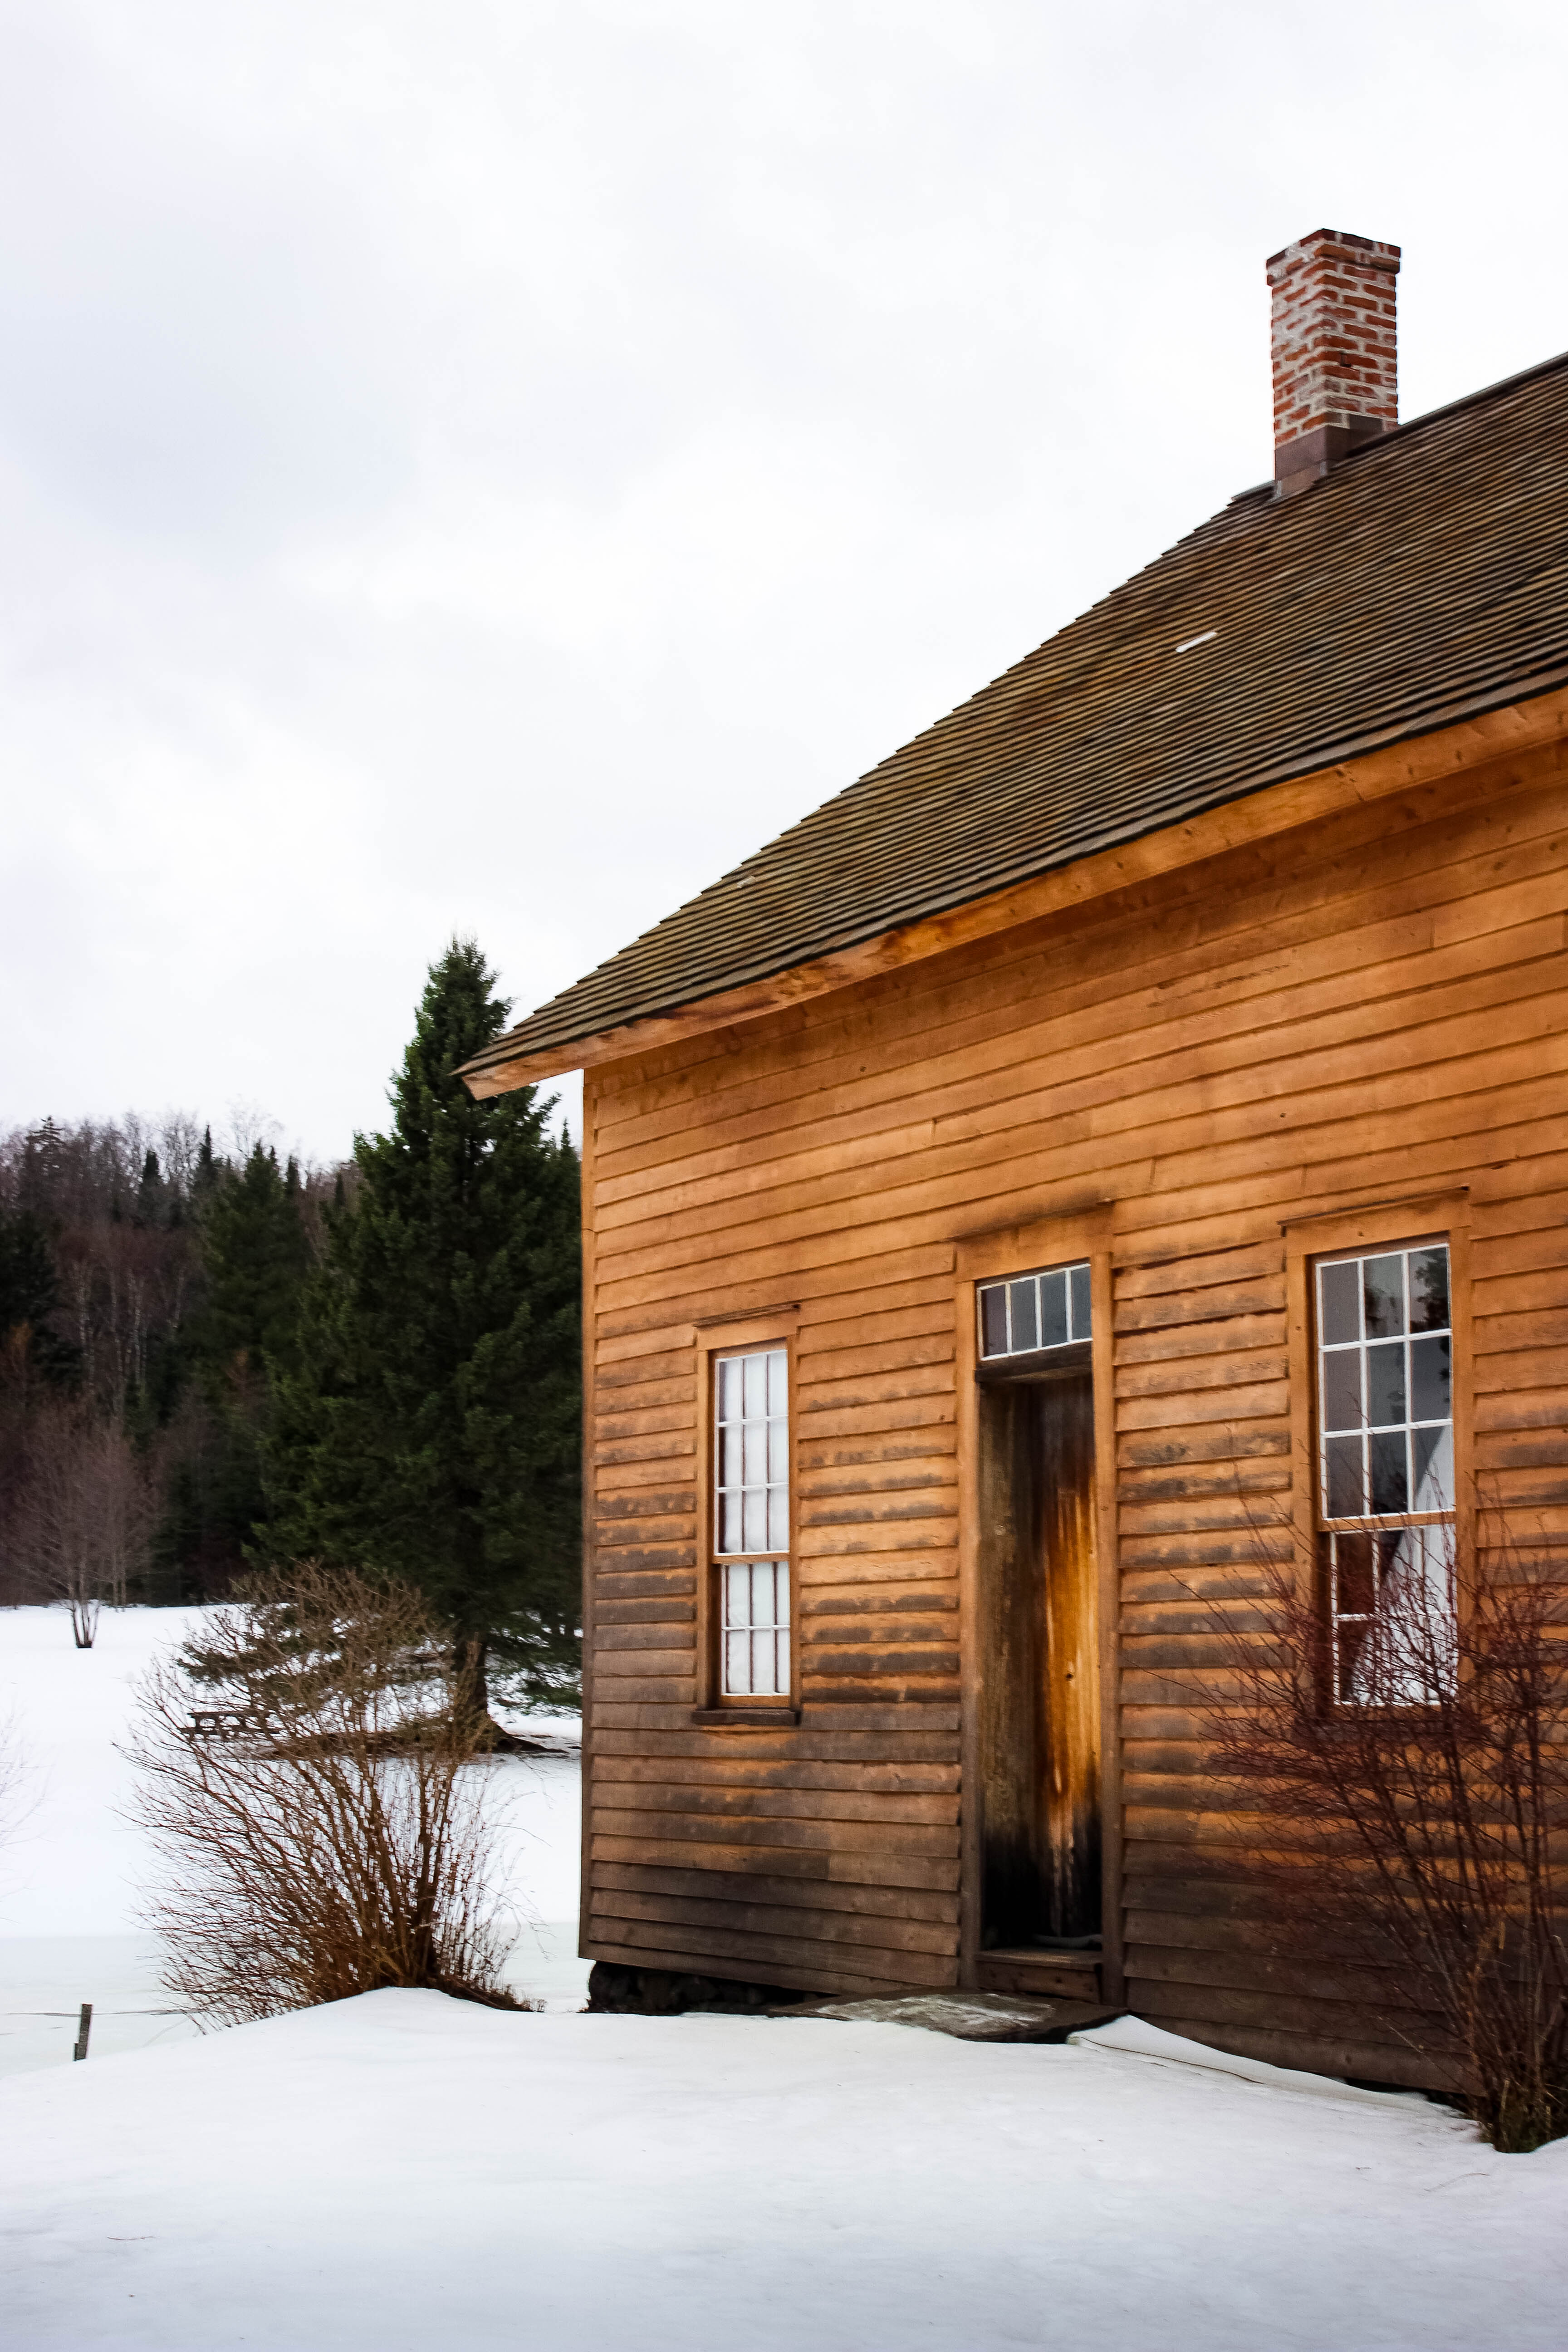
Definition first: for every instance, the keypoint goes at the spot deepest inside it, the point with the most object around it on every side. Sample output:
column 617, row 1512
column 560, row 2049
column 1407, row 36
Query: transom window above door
column 1033, row 1311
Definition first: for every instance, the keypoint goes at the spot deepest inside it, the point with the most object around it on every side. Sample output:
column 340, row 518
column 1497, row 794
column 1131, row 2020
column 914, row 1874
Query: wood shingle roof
column 1423, row 580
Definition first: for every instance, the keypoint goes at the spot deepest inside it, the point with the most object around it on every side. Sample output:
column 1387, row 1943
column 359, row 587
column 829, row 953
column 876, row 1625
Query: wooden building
column 987, row 1182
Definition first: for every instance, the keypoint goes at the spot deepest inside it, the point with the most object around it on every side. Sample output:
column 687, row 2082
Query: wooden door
column 1040, row 1688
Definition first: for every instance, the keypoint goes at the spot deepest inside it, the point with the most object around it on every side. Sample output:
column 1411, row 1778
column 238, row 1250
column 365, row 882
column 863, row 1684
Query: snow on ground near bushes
column 70, row 1879
column 402, row 2171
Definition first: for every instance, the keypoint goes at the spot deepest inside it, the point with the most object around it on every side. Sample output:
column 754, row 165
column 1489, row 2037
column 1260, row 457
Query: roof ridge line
column 1449, row 408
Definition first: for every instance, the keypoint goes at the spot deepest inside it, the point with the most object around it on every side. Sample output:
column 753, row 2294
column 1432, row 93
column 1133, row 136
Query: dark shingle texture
column 1425, row 579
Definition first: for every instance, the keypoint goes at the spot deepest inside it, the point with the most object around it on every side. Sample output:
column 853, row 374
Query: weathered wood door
column 1040, row 1682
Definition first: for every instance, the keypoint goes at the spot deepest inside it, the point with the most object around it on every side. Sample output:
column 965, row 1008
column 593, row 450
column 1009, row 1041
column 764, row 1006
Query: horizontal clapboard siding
column 1377, row 1003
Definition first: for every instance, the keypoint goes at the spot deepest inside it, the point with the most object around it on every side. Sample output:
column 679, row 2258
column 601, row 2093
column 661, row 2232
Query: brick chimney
column 1335, row 378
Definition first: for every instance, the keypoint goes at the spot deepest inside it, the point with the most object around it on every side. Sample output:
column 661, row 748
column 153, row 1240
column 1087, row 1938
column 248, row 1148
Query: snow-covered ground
column 69, row 1878
column 405, row 2171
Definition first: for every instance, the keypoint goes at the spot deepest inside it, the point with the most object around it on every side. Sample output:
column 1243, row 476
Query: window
column 751, row 1522
column 1385, row 1468
column 1034, row 1311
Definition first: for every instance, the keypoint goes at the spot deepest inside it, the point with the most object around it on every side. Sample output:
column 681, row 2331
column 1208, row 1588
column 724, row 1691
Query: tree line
column 215, row 1362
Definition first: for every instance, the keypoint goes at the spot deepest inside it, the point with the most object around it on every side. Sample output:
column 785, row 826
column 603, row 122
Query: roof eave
column 1465, row 735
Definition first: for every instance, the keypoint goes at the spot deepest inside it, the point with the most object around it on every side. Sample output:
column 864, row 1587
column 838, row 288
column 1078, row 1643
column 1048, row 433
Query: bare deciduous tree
column 1416, row 1826
column 86, row 1514
column 326, row 1816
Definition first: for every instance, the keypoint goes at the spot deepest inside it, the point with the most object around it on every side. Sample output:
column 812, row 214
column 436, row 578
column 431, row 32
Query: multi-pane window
column 1385, row 1460
column 751, row 1517
column 1035, row 1310
column 756, row 1628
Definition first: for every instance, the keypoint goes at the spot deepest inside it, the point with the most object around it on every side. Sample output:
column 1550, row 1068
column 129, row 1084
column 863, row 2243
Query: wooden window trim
column 724, row 1336
column 1062, row 1363
column 981, row 1257
column 1441, row 1215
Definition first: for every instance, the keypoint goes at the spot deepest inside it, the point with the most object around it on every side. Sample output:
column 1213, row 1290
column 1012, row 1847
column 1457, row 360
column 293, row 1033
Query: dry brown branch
column 350, row 1846
column 1417, row 1829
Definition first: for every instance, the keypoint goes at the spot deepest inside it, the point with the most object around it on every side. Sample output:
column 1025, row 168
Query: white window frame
column 1389, row 1586
column 1021, row 1305
column 750, row 1506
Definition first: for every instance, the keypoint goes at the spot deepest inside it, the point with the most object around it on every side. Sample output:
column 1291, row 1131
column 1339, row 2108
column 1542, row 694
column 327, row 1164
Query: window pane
column 753, row 1517
column 1035, row 1310
column 1346, row 1496
column 1390, row 1381
column 1390, row 1473
column 1349, row 1646
column 1341, row 1296
column 1355, row 1585
column 1433, row 1451
column 756, row 1639
column 1394, row 1616
column 1342, row 1407
column 1386, row 1384
column 1383, row 1287
column 1431, row 1380
column 1429, row 1290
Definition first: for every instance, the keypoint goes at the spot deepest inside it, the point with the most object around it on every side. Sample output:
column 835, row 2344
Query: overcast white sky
column 486, row 464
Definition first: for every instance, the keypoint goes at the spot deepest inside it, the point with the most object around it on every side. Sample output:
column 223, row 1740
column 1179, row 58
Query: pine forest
column 216, row 1360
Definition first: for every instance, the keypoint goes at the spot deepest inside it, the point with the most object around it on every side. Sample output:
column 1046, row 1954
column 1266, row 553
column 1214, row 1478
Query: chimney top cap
column 1370, row 251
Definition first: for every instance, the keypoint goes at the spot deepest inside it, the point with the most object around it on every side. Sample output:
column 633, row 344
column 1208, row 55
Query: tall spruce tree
column 431, row 1426
column 255, row 1253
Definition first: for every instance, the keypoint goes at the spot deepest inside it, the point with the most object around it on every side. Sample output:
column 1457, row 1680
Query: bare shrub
column 87, row 1509
column 326, row 1817
column 1417, row 1828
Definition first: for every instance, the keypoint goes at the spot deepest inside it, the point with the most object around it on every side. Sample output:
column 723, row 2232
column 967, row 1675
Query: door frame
column 983, row 1258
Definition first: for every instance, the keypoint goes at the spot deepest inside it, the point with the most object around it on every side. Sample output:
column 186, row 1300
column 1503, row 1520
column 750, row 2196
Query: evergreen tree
column 255, row 1257
column 151, row 1203
column 30, row 1341
column 255, row 1252
column 208, row 1170
column 430, row 1429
